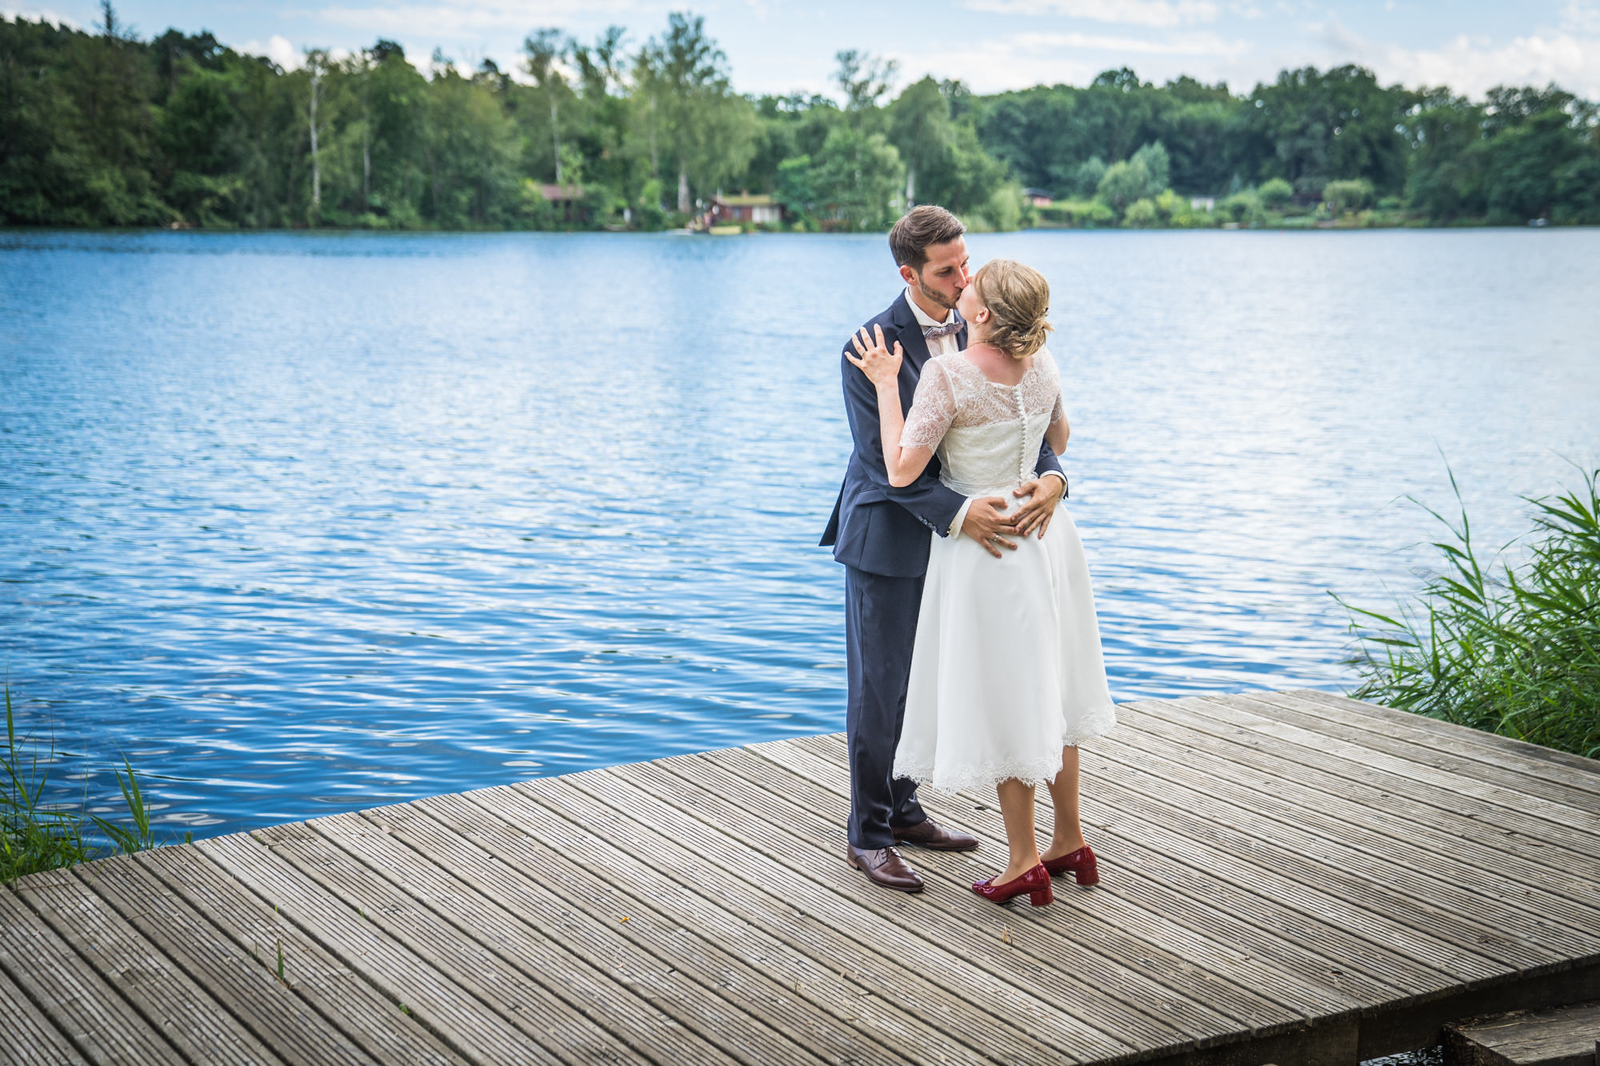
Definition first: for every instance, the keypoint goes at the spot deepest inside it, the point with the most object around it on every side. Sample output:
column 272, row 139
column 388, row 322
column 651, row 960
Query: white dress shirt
column 944, row 346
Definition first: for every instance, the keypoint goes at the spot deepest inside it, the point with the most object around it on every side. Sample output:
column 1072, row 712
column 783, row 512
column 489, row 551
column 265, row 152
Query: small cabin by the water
column 1039, row 197
column 744, row 208
column 566, row 199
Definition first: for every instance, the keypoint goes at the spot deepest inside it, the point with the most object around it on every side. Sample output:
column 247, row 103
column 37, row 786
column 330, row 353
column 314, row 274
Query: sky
column 781, row 46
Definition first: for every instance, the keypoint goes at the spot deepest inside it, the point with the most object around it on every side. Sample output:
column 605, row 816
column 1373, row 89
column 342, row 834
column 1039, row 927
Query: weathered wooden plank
column 504, row 988
column 1120, row 999
column 1255, row 729
column 1241, row 759
column 170, row 1001
column 1089, row 952
column 581, row 958
column 245, row 923
column 246, row 987
column 29, row 1038
column 1491, row 900
column 798, row 950
column 1577, row 829
column 454, row 1013
column 1489, row 747
column 1322, row 955
column 923, row 975
column 1321, row 887
column 1559, row 1036
column 718, row 997
column 1203, row 928
column 1537, row 777
column 1270, row 872
column 97, row 1020
column 1251, row 904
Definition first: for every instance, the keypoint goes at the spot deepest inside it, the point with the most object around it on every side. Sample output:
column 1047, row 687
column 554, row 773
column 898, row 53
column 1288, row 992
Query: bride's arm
column 904, row 465
column 1057, row 434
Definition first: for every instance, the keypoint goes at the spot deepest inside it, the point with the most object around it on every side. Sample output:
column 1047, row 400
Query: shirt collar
column 923, row 318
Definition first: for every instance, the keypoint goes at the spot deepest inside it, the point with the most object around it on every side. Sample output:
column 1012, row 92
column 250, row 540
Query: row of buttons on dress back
column 1023, row 469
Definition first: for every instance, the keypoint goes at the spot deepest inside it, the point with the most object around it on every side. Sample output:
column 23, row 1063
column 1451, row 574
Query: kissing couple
column 973, row 651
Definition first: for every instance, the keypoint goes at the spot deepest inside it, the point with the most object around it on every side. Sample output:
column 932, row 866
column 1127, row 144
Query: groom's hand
column 987, row 523
column 1044, row 493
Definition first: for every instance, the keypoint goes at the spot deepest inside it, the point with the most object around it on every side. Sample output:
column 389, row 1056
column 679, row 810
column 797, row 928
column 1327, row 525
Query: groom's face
column 944, row 275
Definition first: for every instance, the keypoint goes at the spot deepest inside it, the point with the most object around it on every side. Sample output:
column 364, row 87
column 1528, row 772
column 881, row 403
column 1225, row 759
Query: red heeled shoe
column 1036, row 883
column 1081, row 862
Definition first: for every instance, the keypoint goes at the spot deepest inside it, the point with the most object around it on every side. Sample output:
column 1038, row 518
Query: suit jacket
column 876, row 527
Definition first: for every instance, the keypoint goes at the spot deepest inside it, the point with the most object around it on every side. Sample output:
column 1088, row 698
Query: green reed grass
column 1510, row 649
column 35, row 835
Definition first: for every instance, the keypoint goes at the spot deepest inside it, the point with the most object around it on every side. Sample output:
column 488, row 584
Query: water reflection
column 303, row 523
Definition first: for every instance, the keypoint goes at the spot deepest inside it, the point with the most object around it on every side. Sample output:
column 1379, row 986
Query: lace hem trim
column 1041, row 771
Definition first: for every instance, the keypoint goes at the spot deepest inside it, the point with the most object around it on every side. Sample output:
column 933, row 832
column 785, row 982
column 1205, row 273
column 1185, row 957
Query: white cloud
column 1581, row 16
column 457, row 19
column 1197, row 44
column 1022, row 60
column 1473, row 65
column 1157, row 13
column 278, row 49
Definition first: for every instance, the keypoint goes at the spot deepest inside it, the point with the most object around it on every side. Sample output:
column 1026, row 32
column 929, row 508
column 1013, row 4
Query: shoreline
column 1337, row 227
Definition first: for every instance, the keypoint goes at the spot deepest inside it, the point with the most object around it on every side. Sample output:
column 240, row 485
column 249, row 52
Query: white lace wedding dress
column 1007, row 667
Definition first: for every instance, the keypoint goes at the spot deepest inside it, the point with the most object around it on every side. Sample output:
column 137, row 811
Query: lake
column 301, row 523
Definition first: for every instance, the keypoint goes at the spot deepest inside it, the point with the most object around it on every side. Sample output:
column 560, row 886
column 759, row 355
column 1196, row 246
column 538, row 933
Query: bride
column 1006, row 674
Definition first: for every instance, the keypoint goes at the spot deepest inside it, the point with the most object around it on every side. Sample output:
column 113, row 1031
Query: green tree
column 1157, row 167
column 1037, row 134
column 1124, row 183
column 1275, row 193
column 711, row 131
column 1524, row 158
column 919, row 128
column 198, row 134
column 471, row 154
column 864, row 79
column 543, row 52
column 856, row 180
column 1141, row 214
column 942, row 155
column 1322, row 126
column 601, row 131
column 100, row 128
column 1086, row 177
column 1447, row 157
column 396, row 113
column 1345, row 196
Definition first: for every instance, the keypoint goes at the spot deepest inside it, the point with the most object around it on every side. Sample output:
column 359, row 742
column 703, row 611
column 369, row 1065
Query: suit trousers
column 880, row 626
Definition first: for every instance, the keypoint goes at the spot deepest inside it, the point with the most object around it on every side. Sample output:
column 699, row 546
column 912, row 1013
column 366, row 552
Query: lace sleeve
column 1053, row 375
column 932, row 409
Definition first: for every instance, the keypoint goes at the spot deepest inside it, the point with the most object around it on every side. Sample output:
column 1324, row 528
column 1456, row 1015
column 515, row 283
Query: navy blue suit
column 880, row 534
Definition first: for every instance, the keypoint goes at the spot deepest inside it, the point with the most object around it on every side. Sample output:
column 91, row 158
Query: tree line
column 104, row 129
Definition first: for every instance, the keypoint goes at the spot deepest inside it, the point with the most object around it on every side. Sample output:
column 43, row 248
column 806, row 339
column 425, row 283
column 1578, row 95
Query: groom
column 880, row 534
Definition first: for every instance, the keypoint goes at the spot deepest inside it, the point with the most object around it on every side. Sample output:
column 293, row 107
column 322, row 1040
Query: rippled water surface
column 301, row 523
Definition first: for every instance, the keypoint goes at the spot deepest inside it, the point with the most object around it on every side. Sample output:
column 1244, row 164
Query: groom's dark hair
column 920, row 227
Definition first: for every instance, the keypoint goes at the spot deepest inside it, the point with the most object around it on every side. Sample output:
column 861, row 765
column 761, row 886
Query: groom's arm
column 927, row 498
column 1049, row 464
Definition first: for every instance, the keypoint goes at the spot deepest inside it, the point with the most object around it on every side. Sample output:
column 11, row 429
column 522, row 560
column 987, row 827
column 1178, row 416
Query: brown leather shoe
column 884, row 866
column 927, row 835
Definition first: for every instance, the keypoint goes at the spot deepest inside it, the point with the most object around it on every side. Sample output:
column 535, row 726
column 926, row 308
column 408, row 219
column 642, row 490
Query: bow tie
column 952, row 326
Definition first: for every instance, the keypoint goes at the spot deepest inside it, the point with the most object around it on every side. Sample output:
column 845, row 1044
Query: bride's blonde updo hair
column 1018, row 298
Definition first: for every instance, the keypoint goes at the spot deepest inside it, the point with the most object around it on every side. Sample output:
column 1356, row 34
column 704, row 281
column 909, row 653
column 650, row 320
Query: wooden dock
column 1289, row 877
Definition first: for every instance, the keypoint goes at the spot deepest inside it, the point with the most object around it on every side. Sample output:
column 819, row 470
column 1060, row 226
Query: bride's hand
column 880, row 367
